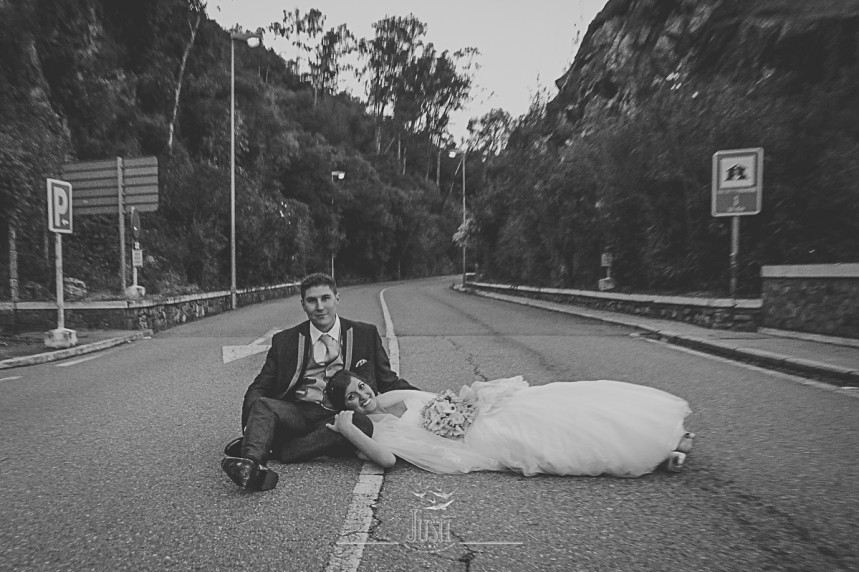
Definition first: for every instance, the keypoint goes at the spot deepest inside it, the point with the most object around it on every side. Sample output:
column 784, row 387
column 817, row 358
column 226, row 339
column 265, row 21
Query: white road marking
column 850, row 391
column 11, row 378
column 265, row 337
column 354, row 533
column 81, row 360
column 232, row 353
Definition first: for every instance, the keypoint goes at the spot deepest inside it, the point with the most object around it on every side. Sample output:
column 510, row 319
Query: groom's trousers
column 295, row 431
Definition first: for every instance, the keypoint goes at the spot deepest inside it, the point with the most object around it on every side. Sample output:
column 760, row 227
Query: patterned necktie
column 331, row 348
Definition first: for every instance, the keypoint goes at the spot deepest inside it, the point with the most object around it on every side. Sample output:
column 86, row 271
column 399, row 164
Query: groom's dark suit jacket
column 287, row 360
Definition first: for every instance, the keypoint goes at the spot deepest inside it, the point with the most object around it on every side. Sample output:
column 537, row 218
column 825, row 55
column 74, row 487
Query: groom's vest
column 311, row 386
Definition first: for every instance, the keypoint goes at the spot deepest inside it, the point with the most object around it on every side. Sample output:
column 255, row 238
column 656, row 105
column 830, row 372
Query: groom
column 285, row 412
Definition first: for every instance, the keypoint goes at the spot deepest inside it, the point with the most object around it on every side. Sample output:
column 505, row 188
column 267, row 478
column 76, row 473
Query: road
column 112, row 463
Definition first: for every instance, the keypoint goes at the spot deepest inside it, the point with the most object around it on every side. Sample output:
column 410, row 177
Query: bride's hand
column 342, row 422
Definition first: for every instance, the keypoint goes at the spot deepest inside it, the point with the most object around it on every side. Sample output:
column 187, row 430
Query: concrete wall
column 156, row 314
column 720, row 313
column 813, row 298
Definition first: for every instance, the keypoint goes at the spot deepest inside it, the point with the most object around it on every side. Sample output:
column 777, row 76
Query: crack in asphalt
column 745, row 509
column 551, row 367
column 469, row 358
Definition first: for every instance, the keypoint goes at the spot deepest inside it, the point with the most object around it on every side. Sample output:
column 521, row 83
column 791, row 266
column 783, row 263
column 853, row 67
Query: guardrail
column 153, row 314
column 741, row 314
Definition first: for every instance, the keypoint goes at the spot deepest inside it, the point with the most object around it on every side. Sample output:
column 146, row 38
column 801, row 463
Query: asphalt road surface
column 111, row 462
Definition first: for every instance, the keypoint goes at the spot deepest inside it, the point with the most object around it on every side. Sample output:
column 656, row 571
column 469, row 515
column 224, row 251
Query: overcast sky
column 524, row 46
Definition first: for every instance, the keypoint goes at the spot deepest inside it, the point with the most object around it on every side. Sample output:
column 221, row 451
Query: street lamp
column 252, row 40
column 335, row 176
column 453, row 154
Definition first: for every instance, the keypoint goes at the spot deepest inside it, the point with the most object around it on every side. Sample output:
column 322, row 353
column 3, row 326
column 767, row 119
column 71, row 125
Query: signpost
column 60, row 223
column 738, row 176
column 607, row 283
column 135, row 291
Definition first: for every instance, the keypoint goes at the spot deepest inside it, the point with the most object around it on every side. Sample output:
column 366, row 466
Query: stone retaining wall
column 720, row 313
column 813, row 298
column 155, row 315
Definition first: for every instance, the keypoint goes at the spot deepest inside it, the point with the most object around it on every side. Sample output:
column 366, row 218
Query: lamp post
column 252, row 40
column 453, row 154
column 335, row 176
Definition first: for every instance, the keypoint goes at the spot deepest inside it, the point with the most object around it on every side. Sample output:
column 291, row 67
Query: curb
column 75, row 351
column 832, row 374
column 821, row 371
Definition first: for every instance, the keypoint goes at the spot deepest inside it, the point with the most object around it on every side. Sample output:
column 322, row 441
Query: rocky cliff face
column 634, row 46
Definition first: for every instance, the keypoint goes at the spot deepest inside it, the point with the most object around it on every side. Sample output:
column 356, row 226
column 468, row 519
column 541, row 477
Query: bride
column 563, row 428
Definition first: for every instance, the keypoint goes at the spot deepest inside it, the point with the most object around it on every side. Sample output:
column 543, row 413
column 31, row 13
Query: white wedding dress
column 564, row 428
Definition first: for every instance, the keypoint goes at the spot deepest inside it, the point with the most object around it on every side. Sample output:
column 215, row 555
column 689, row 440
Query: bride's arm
column 374, row 450
column 395, row 396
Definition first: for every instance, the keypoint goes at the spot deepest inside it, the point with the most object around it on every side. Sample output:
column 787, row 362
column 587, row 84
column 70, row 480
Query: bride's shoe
column 675, row 462
column 685, row 444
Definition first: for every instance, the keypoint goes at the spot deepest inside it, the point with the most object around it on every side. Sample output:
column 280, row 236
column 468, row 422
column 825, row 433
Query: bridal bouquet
column 447, row 415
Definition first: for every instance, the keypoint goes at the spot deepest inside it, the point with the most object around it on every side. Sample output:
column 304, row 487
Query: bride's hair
column 337, row 385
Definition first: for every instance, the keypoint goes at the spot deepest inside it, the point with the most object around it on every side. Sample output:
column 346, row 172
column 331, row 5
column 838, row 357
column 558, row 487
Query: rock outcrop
column 634, row 46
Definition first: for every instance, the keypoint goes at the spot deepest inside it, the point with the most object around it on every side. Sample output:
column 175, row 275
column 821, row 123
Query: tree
column 294, row 26
column 444, row 87
column 325, row 69
column 196, row 11
column 488, row 134
column 324, row 51
column 388, row 54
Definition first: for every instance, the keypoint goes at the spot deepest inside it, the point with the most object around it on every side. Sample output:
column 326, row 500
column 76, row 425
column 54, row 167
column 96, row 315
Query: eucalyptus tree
column 488, row 134
column 446, row 89
column 196, row 11
column 322, row 49
column 388, row 55
column 301, row 31
column 326, row 67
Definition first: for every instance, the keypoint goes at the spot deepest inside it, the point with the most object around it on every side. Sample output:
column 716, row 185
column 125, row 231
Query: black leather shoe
column 265, row 480
column 247, row 474
column 241, row 471
column 234, row 448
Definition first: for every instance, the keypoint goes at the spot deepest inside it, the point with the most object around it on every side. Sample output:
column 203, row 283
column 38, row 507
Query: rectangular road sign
column 136, row 257
column 738, row 176
column 97, row 187
column 59, row 206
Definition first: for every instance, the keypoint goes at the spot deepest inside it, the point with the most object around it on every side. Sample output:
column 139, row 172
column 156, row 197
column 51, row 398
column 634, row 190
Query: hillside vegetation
column 620, row 160
column 617, row 161
column 84, row 80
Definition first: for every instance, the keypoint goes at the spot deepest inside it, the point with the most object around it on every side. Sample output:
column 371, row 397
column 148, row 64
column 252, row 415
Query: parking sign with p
column 59, row 206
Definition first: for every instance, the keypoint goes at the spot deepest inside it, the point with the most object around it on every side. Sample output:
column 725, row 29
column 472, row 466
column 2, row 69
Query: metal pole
column 334, row 224
column 13, row 261
column 232, row 174
column 463, row 219
column 735, row 251
column 61, row 309
column 120, row 191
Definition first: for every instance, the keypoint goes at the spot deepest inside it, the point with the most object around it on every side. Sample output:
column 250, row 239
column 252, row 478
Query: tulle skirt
column 565, row 428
